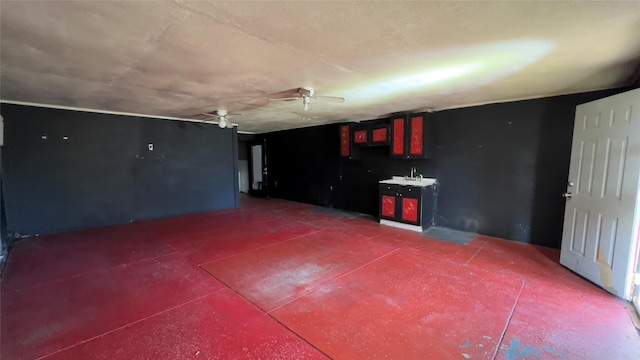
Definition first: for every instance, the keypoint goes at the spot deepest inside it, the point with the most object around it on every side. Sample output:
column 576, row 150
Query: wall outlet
column 150, row 147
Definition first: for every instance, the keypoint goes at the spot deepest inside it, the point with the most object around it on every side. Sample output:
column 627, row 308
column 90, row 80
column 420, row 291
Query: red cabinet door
column 345, row 140
column 360, row 136
column 380, row 135
column 388, row 206
column 409, row 137
column 416, row 146
column 410, row 210
column 398, row 137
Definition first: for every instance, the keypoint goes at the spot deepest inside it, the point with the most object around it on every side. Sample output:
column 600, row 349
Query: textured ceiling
column 183, row 58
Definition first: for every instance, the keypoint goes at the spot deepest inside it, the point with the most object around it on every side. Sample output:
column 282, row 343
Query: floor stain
column 551, row 350
column 466, row 345
column 514, row 352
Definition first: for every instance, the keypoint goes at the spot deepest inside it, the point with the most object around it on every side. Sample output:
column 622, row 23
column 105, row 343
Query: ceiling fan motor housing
column 306, row 92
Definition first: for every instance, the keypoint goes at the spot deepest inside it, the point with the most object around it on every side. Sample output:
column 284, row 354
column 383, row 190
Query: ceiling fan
column 222, row 116
column 306, row 94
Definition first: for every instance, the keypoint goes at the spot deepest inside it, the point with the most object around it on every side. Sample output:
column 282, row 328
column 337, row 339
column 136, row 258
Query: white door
column 256, row 157
column 600, row 233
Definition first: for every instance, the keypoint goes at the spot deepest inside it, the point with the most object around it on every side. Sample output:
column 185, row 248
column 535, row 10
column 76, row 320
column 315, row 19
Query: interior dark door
column 259, row 174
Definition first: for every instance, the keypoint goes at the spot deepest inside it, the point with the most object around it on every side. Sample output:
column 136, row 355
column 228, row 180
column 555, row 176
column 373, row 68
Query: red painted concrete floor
column 278, row 280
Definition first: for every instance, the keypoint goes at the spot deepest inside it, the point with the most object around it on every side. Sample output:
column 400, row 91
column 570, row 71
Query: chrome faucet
column 413, row 172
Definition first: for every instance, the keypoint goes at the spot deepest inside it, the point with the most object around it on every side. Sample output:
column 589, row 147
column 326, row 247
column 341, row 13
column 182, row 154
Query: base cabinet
column 412, row 205
column 389, row 199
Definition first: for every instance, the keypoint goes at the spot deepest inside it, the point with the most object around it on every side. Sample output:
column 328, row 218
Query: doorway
column 258, row 180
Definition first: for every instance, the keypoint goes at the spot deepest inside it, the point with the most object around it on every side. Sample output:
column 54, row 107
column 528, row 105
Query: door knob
column 567, row 195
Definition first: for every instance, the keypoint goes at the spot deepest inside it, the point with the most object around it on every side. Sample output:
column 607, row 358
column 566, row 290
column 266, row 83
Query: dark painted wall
column 104, row 174
column 243, row 145
column 243, row 150
column 501, row 168
column 305, row 166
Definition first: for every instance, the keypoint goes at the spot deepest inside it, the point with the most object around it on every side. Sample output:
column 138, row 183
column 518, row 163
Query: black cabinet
column 406, row 204
column 411, row 136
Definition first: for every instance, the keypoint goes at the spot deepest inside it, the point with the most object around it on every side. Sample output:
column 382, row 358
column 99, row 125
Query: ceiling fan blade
column 202, row 116
column 285, row 99
column 287, row 94
column 334, row 99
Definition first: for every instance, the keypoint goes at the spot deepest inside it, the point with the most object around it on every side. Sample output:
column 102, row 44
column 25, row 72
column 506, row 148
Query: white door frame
column 636, row 277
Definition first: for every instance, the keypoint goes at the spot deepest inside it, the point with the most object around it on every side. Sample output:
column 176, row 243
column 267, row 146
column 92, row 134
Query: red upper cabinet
column 380, row 135
column 398, row 135
column 416, row 144
column 410, row 136
column 360, row 137
column 347, row 142
column 366, row 134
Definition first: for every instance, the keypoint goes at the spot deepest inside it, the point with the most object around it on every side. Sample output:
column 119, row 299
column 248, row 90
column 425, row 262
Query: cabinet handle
column 400, row 195
column 409, row 189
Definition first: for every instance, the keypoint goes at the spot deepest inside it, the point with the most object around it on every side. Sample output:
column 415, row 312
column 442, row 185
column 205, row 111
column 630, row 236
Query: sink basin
column 406, row 180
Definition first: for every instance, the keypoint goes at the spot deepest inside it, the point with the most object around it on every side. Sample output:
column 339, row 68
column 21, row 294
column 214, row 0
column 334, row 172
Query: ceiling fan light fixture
column 222, row 123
